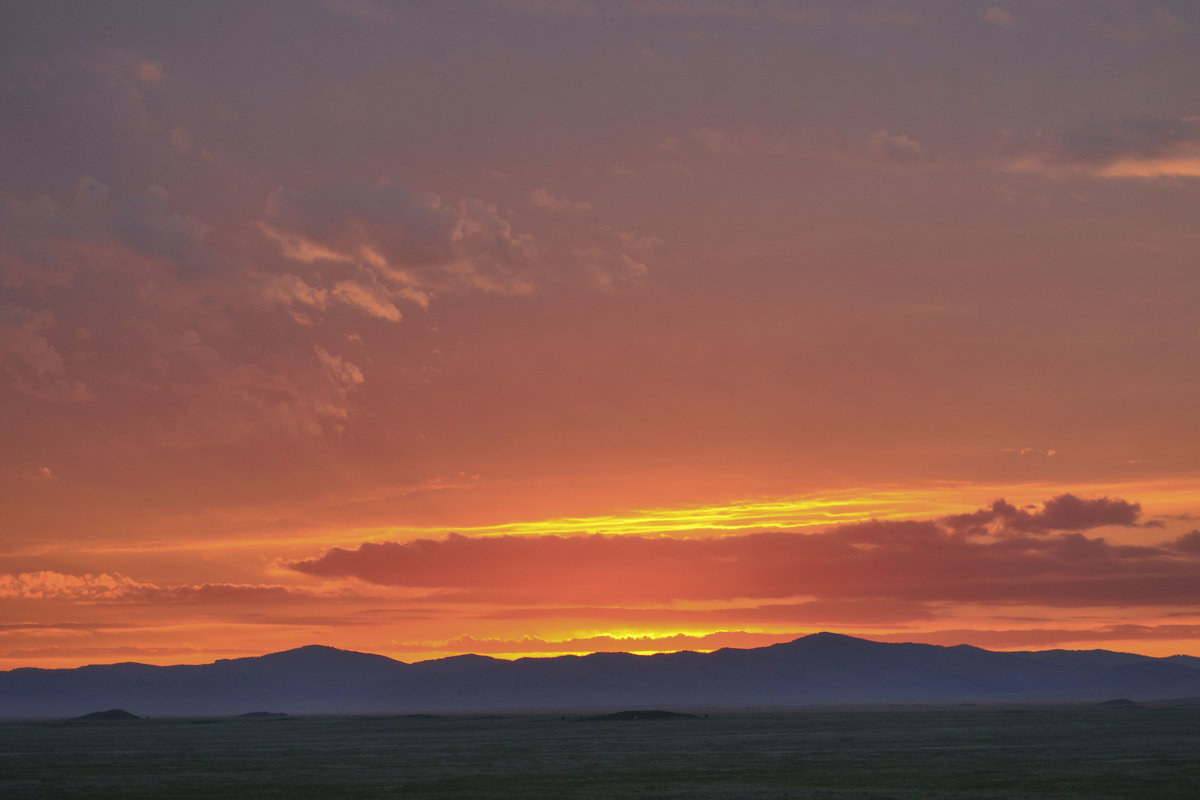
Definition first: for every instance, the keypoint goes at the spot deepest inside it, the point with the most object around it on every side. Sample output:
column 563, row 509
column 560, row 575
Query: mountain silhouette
column 821, row 669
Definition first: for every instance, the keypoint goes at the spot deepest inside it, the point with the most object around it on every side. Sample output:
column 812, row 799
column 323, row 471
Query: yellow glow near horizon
column 634, row 643
column 791, row 513
column 807, row 511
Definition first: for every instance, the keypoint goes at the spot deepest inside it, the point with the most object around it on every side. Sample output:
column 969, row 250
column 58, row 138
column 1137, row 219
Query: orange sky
column 522, row 328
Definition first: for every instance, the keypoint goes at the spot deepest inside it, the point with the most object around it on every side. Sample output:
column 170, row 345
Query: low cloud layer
column 995, row 555
column 118, row 588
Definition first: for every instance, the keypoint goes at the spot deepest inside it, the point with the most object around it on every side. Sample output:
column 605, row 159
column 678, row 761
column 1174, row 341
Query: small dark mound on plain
column 622, row 716
column 263, row 715
column 111, row 714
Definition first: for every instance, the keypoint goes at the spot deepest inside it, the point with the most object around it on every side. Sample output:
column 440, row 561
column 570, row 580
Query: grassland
column 1076, row 752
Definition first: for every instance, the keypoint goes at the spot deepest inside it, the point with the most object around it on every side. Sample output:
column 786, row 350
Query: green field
column 1091, row 752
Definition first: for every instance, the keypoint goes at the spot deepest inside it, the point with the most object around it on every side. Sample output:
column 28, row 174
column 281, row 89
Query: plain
column 1113, row 751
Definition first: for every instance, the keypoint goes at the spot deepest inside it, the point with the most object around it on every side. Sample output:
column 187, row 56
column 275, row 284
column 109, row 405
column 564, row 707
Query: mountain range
column 821, row 669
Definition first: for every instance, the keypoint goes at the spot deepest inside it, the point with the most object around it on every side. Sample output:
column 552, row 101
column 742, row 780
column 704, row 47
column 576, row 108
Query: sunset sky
column 559, row 326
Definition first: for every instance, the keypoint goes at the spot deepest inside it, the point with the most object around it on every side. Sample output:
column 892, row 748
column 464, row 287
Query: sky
column 531, row 327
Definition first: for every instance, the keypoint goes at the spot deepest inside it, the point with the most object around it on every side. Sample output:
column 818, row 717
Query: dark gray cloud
column 1142, row 137
column 1029, row 560
column 1065, row 512
column 411, row 228
column 1188, row 543
column 1145, row 146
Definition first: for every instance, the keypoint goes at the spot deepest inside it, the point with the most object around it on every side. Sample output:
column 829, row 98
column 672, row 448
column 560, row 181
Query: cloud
column 34, row 366
column 124, row 64
column 894, row 148
column 1025, row 557
column 1031, row 452
column 57, row 585
column 157, row 309
column 366, row 293
column 145, row 224
column 342, row 371
column 489, row 255
column 1065, row 512
column 746, row 141
column 165, row 306
column 288, row 289
column 413, row 243
column 28, row 255
column 541, row 198
column 118, row 588
column 1188, row 543
column 719, row 142
column 882, row 148
column 1068, row 512
column 405, row 226
column 671, row 168
column 1000, row 18
column 609, row 267
column 617, row 257
column 1135, row 147
column 42, row 233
